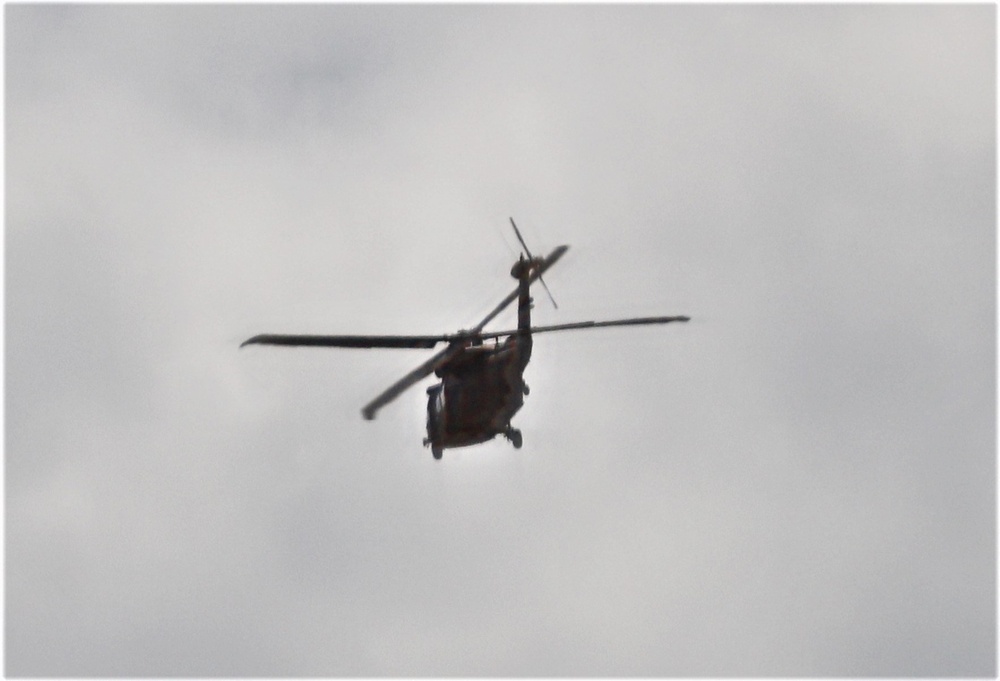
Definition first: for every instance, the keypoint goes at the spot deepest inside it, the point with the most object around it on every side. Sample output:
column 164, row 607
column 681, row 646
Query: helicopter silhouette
column 482, row 384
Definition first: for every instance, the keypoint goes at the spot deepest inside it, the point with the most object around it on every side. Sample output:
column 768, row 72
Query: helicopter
column 482, row 377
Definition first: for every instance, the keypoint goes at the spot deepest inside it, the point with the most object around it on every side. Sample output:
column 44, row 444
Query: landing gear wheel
column 514, row 435
column 437, row 452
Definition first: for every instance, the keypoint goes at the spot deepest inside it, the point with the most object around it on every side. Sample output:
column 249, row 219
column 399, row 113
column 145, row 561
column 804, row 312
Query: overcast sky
column 800, row 481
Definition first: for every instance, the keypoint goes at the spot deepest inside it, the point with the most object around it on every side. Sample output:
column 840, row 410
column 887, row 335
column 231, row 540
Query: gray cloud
column 801, row 481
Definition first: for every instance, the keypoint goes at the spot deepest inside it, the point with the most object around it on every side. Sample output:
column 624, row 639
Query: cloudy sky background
column 800, row 481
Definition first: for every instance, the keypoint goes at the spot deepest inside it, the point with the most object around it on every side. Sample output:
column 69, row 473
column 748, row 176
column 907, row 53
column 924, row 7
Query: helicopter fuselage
column 482, row 387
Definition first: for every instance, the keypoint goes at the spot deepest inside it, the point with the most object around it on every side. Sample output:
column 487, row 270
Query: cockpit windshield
column 437, row 403
column 435, row 410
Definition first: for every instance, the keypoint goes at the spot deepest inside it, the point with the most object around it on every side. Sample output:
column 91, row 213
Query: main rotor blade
column 410, row 379
column 528, row 253
column 346, row 341
column 442, row 357
column 458, row 340
column 590, row 325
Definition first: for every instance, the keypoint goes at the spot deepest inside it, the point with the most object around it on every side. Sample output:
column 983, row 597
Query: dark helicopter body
column 482, row 385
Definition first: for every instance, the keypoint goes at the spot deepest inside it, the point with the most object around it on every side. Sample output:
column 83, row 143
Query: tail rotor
column 530, row 257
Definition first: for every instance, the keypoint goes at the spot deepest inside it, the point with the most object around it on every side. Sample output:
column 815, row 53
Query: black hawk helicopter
column 482, row 385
